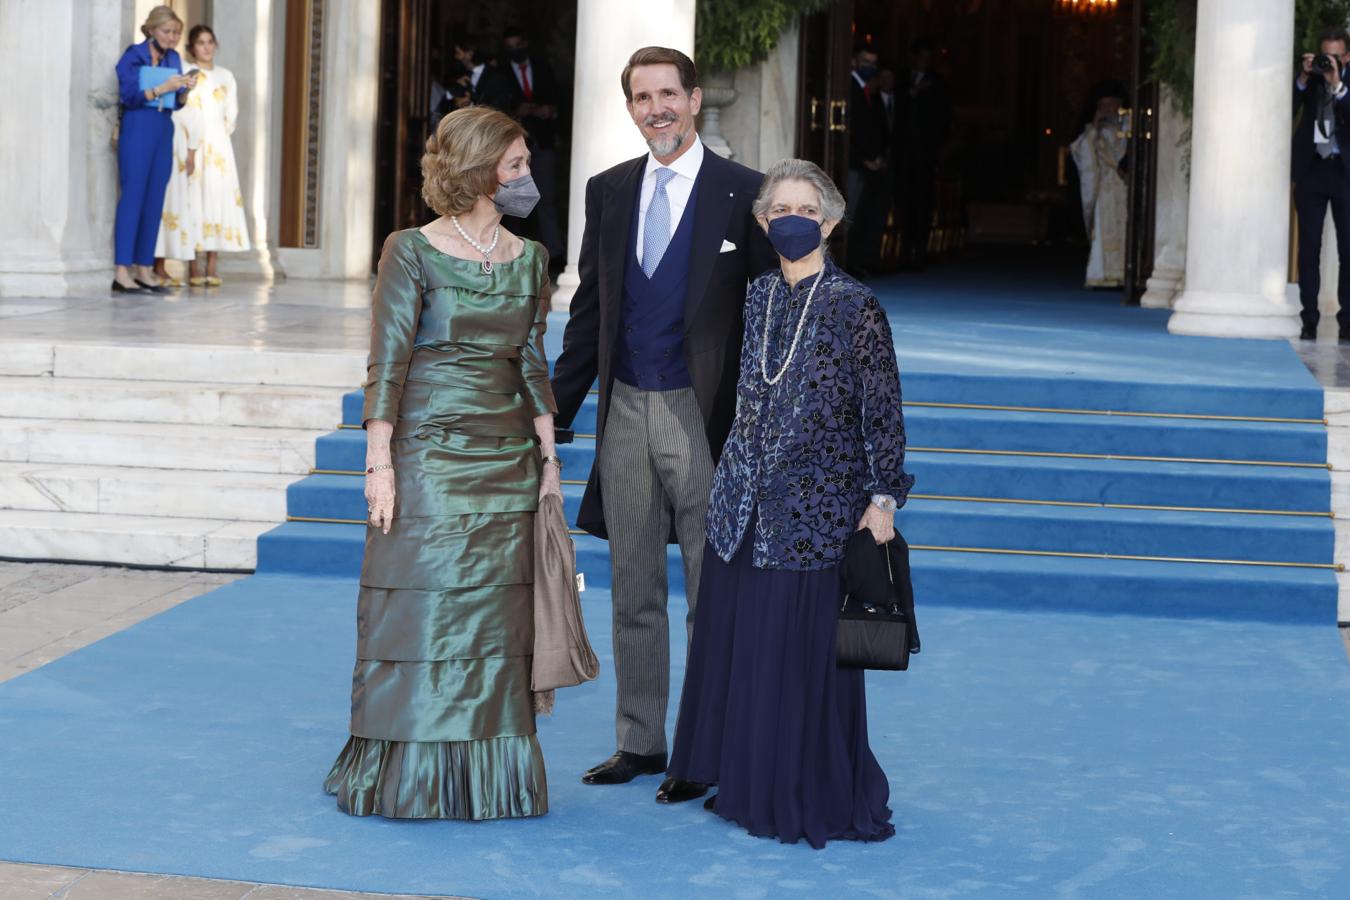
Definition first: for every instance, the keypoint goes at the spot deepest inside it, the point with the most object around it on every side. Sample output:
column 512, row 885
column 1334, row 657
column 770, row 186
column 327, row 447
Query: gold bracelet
column 557, row 461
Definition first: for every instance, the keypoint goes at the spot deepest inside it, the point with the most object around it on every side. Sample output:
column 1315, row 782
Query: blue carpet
column 1030, row 754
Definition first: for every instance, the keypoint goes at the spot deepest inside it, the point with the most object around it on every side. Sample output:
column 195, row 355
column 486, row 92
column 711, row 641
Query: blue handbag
column 152, row 77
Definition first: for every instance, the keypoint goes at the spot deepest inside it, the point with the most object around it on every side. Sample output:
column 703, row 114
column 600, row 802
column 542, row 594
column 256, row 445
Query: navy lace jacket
column 812, row 450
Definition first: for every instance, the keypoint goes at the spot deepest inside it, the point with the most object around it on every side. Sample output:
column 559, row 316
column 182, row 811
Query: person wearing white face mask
column 459, row 452
column 816, row 453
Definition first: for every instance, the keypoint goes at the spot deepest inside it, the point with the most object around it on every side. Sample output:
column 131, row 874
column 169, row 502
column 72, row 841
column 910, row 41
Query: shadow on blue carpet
column 1030, row 754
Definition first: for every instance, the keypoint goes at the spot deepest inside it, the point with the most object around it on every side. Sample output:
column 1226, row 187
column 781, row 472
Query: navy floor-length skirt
column 768, row 717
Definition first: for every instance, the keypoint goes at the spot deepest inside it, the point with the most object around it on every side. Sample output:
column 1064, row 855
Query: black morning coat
column 714, row 302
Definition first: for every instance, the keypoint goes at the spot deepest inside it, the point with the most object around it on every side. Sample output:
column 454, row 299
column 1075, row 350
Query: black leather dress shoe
column 1308, row 333
column 154, row 288
column 673, row 790
column 711, row 803
column 623, row 767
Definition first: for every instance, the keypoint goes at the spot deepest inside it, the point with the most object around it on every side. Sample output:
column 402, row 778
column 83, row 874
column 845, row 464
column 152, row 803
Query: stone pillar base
column 73, row 276
column 1162, row 288
column 1219, row 314
column 568, row 282
column 251, row 264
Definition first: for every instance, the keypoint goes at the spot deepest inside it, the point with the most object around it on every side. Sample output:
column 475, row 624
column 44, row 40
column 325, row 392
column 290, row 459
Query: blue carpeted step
column 1132, row 482
column 343, row 497
column 1129, row 532
column 326, row 550
column 998, row 581
column 945, row 386
column 928, row 427
column 1136, row 482
column 993, row 581
column 321, row 550
column 1072, row 433
column 1122, row 532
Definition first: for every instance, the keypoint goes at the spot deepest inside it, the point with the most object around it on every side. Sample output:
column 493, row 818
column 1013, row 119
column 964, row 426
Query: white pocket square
column 727, row 246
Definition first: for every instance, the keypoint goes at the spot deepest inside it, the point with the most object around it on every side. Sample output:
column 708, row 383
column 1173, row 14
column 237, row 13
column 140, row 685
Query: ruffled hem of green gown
column 493, row 778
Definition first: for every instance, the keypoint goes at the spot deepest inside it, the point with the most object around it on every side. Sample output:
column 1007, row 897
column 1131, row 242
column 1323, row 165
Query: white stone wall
column 57, row 166
column 761, row 125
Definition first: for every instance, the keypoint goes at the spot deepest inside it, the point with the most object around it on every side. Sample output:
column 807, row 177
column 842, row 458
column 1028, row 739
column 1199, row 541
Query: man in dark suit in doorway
column 1321, row 172
column 668, row 250
column 921, row 131
column 866, row 164
column 535, row 101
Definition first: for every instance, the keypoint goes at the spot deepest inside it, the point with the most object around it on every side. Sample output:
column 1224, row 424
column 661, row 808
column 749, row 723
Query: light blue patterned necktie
column 656, row 228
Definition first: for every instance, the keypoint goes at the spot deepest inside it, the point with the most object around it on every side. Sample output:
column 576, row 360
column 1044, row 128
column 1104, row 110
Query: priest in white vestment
column 1099, row 153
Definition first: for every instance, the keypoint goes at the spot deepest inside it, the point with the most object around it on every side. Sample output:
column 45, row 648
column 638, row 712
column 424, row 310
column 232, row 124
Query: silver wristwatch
column 884, row 502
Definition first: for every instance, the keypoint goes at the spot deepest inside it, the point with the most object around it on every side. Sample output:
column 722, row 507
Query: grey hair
column 832, row 205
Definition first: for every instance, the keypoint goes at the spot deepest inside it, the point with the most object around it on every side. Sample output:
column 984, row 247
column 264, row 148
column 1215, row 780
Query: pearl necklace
column 796, row 336
column 486, row 251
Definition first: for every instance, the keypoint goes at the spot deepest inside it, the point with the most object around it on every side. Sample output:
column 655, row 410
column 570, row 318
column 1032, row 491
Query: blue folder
column 152, row 77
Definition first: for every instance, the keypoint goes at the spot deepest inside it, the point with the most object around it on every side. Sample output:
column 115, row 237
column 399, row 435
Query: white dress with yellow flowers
column 216, row 99
column 180, row 223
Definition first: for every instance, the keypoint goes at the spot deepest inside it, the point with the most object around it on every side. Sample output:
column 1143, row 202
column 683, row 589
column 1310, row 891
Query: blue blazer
column 129, row 76
column 811, row 450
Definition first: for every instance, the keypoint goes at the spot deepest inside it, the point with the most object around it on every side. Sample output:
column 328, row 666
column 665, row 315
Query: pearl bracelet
column 380, row 468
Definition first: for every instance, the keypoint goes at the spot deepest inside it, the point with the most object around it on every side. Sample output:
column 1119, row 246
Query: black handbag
column 877, row 629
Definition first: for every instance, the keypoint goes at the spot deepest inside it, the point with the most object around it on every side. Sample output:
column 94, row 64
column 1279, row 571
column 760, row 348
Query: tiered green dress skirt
column 442, row 722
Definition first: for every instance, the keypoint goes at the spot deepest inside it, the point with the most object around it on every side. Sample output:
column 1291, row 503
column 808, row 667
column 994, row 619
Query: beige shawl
column 562, row 654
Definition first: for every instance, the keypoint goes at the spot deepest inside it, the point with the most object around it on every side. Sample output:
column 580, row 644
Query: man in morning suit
column 534, row 102
column 668, row 250
column 1320, row 164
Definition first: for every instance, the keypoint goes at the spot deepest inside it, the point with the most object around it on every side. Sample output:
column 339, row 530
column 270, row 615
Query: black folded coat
column 877, row 629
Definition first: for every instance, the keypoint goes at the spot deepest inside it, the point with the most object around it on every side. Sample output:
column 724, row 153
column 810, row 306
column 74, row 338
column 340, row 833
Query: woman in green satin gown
column 459, row 421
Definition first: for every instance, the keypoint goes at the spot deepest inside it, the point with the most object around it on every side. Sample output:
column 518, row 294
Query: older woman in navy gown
column 816, row 451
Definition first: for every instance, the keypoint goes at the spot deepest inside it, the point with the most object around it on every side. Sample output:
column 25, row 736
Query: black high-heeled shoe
column 119, row 288
column 154, row 288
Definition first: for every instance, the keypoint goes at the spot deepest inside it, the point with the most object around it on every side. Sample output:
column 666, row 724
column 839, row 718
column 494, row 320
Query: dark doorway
column 1015, row 78
column 417, row 54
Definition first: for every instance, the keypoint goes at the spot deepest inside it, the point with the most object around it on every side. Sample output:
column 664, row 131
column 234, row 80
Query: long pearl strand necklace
column 796, row 336
column 486, row 251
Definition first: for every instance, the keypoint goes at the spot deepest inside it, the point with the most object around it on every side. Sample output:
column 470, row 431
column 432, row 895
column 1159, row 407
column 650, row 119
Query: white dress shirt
column 678, row 189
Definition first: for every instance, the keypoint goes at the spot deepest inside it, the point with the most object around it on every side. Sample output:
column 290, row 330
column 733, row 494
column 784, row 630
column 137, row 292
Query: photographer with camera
column 1321, row 173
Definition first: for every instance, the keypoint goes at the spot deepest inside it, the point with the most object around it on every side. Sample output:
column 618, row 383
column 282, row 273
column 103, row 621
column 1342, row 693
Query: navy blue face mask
column 794, row 236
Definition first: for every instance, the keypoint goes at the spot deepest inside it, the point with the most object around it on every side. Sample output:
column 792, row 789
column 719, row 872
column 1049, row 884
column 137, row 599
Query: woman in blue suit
column 816, row 451
column 145, row 150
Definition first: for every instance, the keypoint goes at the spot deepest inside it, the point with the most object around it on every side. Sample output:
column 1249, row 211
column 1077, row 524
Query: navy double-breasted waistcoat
column 810, row 451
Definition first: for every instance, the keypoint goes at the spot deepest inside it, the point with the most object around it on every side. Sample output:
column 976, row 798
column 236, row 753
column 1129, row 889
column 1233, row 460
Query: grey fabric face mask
column 516, row 198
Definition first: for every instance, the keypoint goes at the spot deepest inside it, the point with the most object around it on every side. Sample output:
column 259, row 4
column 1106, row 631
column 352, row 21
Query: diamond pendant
column 487, row 267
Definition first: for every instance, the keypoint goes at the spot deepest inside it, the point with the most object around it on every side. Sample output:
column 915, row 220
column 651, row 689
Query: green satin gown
column 442, row 719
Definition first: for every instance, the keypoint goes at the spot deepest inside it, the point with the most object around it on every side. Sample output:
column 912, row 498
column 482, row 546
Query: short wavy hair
column 832, row 205
column 460, row 163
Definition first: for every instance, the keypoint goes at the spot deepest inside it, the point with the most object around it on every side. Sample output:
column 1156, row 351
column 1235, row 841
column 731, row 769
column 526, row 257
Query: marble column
column 246, row 38
column 608, row 31
column 1238, row 230
column 58, row 170
column 1173, row 193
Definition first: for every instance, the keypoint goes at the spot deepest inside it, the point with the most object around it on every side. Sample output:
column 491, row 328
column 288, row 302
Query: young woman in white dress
column 215, row 176
column 180, row 224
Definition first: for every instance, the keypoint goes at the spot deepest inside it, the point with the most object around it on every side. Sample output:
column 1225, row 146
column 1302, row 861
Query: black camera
column 1323, row 63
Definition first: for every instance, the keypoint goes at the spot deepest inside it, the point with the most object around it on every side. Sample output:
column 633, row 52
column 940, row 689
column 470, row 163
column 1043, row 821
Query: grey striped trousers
column 655, row 470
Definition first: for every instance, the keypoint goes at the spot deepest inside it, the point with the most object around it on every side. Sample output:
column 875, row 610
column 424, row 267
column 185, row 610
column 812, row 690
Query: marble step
column 234, row 365
column 188, row 403
column 120, row 490
column 157, row 445
column 130, row 540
